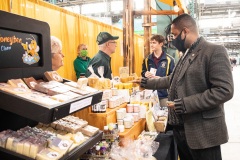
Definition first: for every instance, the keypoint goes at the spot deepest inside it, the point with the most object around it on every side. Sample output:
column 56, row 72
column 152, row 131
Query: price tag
column 80, row 104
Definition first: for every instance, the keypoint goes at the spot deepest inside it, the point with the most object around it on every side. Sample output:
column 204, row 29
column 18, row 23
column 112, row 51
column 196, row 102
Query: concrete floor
column 231, row 150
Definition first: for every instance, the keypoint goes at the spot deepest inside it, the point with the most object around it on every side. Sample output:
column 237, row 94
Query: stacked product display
column 48, row 141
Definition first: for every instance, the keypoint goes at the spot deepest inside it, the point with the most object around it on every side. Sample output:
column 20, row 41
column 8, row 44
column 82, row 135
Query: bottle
column 105, row 130
column 102, row 108
column 98, row 150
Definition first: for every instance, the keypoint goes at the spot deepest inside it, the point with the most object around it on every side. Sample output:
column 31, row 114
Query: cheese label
column 64, row 144
column 53, row 154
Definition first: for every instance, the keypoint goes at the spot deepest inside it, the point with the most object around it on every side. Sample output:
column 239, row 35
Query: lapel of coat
column 190, row 59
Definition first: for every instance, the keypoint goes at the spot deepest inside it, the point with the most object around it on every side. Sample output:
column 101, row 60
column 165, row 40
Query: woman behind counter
column 82, row 61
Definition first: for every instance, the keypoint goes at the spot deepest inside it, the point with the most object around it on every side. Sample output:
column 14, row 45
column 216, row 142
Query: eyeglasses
column 112, row 42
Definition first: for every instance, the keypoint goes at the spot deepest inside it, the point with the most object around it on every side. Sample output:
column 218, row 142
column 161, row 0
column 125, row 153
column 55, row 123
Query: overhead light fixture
column 175, row 6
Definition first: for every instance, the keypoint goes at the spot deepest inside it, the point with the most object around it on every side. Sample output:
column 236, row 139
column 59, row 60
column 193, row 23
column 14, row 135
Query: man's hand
column 177, row 105
column 170, row 104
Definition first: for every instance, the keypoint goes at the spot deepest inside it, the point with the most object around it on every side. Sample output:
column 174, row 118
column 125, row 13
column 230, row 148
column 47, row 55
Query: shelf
column 102, row 119
column 134, row 131
column 73, row 155
column 41, row 113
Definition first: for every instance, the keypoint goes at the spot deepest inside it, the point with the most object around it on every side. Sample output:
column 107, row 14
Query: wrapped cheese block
column 60, row 145
column 31, row 82
column 75, row 120
column 78, row 91
column 72, row 84
column 72, row 94
column 4, row 135
column 57, row 90
column 82, row 83
column 17, row 83
column 89, row 130
column 61, row 97
column 16, row 90
column 48, row 154
column 36, row 147
column 44, row 87
column 53, row 76
column 78, row 138
column 4, row 85
column 39, row 98
column 93, row 82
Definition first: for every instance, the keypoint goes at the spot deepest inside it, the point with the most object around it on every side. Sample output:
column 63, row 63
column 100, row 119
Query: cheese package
column 31, row 82
column 61, row 97
column 17, row 83
column 78, row 91
column 48, row 154
column 36, row 147
column 89, row 130
column 82, row 83
column 72, row 94
column 4, row 135
column 4, row 85
column 57, row 90
column 72, row 84
column 78, row 138
column 39, row 98
column 53, row 76
column 59, row 145
column 75, row 120
column 17, row 90
column 93, row 82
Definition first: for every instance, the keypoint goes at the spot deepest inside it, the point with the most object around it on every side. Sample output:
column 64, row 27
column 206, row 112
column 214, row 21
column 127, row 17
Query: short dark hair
column 157, row 37
column 185, row 20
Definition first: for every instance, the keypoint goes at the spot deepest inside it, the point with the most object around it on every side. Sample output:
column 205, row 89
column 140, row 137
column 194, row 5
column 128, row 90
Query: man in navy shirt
column 158, row 64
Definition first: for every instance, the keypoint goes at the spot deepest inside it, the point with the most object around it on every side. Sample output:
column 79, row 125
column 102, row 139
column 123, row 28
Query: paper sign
column 153, row 71
column 80, row 104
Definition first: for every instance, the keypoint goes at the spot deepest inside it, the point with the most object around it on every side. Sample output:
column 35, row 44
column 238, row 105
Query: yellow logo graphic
column 31, row 51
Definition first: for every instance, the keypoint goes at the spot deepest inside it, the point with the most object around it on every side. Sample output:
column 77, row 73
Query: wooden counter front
column 99, row 119
column 135, row 131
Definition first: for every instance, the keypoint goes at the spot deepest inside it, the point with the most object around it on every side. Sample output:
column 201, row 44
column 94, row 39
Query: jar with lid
column 120, row 114
column 136, row 108
column 127, row 123
column 129, row 108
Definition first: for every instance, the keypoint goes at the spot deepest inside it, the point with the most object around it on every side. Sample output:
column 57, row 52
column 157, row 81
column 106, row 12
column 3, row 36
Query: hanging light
column 175, row 6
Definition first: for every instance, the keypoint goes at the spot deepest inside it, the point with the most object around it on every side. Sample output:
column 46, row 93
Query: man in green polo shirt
column 107, row 46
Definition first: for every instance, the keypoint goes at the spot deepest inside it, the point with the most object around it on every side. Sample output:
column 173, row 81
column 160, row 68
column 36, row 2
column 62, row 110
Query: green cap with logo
column 104, row 37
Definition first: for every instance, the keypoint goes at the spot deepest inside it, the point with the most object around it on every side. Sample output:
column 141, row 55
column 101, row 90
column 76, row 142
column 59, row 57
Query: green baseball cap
column 104, row 37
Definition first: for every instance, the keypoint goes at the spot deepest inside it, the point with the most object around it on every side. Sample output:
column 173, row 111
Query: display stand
column 17, row 33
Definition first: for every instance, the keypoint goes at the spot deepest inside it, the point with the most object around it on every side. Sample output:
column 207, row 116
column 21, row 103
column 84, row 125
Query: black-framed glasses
column 113, row 42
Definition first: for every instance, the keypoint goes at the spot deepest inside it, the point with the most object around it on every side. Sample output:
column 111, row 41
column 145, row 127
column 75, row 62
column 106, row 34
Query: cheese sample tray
column 43, row 113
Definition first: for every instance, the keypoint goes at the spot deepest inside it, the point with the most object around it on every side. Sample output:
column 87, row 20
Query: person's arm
column 155, row 83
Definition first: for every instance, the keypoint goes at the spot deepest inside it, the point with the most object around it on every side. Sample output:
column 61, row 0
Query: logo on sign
column 31, row 51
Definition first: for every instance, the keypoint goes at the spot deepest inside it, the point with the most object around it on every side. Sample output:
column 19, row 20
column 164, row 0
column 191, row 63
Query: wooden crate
column 99, row 119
